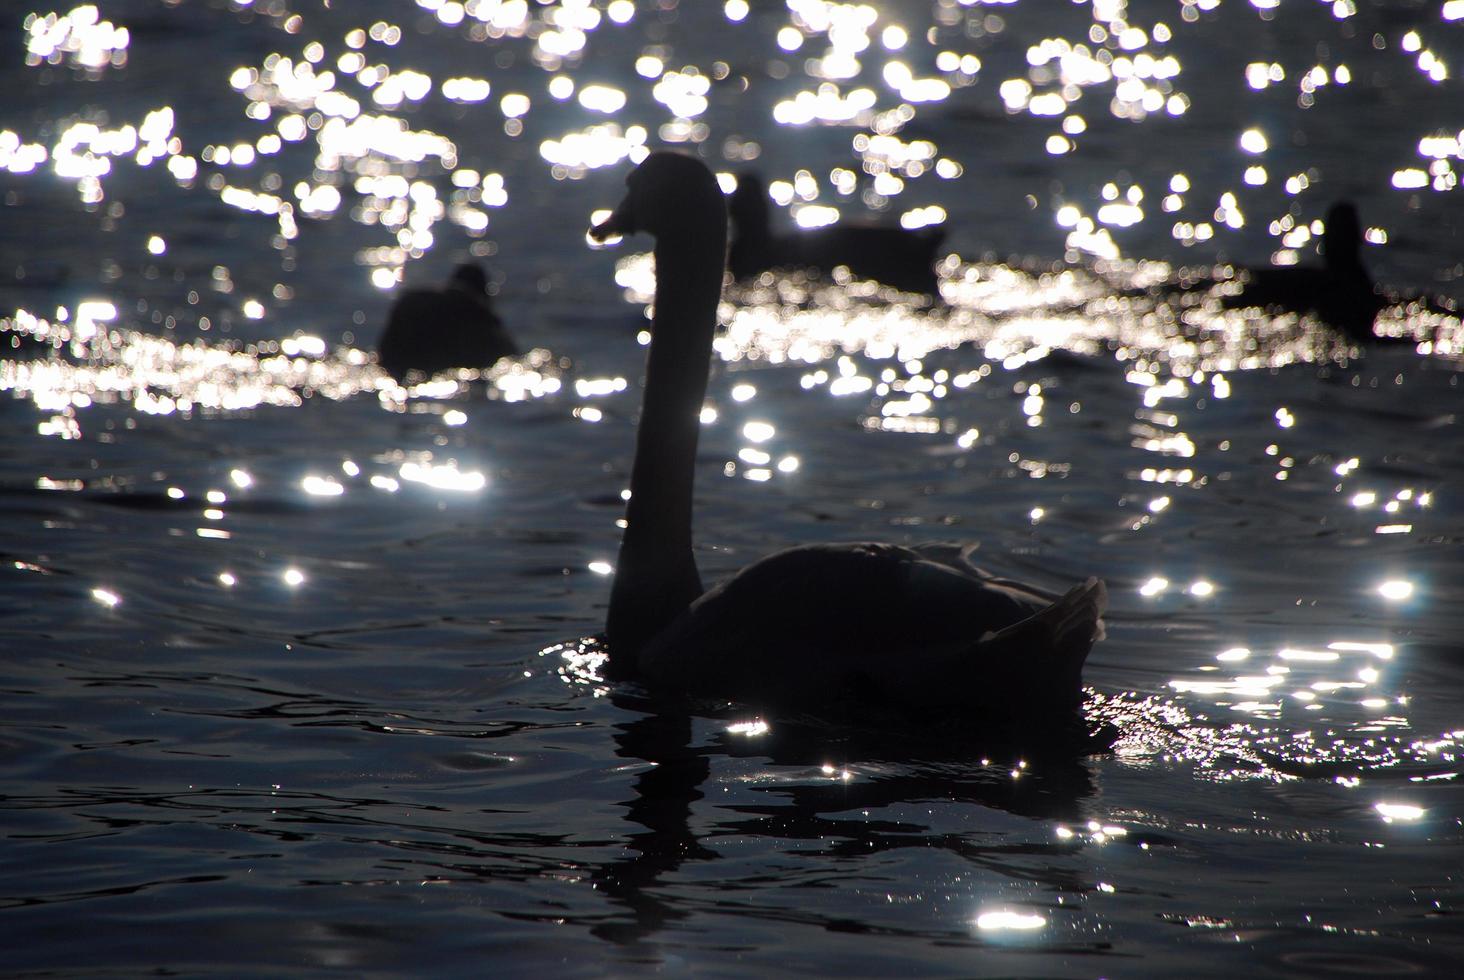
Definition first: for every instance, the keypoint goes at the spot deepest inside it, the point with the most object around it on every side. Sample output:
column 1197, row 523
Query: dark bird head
column 660, row 195
column 748, row 204
column 470, row 277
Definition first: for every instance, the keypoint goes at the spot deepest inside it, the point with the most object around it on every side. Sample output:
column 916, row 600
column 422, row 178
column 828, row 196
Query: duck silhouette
column 897, row 257
column 1340, row 292
column 818, row 628
column 432, row 330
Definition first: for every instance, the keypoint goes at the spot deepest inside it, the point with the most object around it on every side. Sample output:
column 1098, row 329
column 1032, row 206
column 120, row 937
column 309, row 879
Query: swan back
column 892, row 255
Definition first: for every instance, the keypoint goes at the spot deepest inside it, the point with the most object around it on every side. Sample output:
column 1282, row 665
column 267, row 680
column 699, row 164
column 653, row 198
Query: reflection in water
column 664, row 796
column 795, row 794
column 346, row 119
column 1354, row 732
column 79, row 37
column 1005, row 919
column 1169, row 324
column 72, row 365
column 1326, row 713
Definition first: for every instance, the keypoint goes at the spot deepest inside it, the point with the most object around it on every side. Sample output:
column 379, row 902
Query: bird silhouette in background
column 1340, row 292
column 917, row 631
column 897, row 257
column 433, row 330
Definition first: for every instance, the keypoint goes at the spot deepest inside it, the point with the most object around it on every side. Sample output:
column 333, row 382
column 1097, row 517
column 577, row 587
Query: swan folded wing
column 819, row 624
column 957, row 556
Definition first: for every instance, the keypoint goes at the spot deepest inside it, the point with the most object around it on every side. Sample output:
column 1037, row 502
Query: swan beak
column 621, row 222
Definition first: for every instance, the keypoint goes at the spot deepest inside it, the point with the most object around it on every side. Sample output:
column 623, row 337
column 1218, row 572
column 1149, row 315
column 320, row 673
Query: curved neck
column 656, row 577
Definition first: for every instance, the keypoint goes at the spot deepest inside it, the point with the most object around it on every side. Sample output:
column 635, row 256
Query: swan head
column 669, row 194
column 748, row 204
column 470, row 277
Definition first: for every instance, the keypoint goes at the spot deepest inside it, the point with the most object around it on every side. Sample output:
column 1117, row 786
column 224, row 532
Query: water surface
column 299, row 667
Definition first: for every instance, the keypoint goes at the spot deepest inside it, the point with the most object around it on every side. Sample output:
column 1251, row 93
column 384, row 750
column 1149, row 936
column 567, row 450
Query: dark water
column 297, row 669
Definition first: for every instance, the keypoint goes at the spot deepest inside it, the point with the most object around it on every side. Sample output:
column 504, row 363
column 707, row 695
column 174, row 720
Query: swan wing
column 957, row 556
column 821, row 624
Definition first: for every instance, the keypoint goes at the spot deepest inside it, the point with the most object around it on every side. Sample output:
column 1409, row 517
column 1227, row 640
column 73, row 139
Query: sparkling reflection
column 79, row 37
column 579, row 664
column 84, row 363
column 1396, row 590
column 1147, row 313
column 1009, row 920
column 1331, row 711
column 1398, row 811
column 750, row 729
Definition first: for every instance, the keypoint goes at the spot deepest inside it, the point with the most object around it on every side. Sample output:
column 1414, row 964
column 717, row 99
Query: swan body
column 432, row 330
column 822, row 627
column 897, row 257
column 813, row 627
column 1340, row 292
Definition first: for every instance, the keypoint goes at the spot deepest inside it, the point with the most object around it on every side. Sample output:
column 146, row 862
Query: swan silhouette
column 432, row 330
column 1340, row 292
column 897, row 257
column 817, row 627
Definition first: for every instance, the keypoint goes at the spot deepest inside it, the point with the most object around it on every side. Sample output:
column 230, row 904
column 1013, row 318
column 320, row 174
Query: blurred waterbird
column 432, row 330
column 1340, row 292
column 898, row 257
column 821, row 627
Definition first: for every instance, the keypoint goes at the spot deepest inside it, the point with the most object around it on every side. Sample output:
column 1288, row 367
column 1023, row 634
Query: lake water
column 299, row 671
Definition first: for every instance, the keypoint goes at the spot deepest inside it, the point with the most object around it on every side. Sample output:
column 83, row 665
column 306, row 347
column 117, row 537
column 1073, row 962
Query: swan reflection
column 717, row 779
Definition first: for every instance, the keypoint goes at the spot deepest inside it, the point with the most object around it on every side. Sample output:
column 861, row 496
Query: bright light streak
column 1396, row 589
column 1398, row 811
column 992, row 921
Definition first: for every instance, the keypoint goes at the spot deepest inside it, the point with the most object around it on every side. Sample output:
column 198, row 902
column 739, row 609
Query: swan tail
column 1043, row 655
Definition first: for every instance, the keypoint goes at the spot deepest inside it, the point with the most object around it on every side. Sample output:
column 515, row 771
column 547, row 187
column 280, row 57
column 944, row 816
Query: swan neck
column 656, row 576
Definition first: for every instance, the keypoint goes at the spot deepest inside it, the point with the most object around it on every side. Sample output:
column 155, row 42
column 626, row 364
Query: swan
column 819, row 627
column 432, row 330
column 1340, row 292
column 897, row 257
